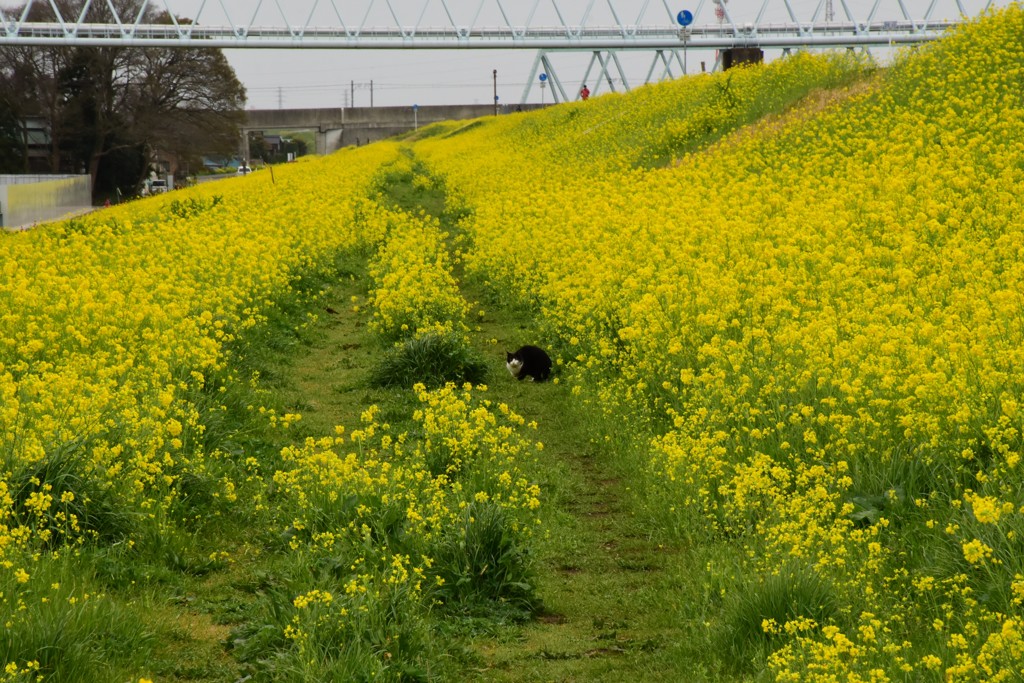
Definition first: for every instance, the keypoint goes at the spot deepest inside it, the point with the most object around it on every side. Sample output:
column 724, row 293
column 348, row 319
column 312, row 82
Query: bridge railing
column 433, row 24
column 160, row 35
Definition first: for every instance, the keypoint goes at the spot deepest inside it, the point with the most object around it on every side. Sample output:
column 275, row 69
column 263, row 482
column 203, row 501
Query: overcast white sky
column 323, row 78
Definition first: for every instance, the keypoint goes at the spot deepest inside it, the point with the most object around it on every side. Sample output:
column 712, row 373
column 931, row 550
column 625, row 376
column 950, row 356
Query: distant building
column 273, row 143
column 36, row 132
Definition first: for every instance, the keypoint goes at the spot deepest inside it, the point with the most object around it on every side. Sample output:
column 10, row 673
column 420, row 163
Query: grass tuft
column 80, row 500
column 756, row 618
column 433, row 359
column 484, row 561
column 76, row 633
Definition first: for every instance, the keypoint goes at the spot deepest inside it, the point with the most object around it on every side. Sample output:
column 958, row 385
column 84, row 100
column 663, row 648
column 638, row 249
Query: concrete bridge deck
column 343, row 126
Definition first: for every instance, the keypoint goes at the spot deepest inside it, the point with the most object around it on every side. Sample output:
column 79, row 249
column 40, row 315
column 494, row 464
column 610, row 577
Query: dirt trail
column 610, row 591
column 612, row 596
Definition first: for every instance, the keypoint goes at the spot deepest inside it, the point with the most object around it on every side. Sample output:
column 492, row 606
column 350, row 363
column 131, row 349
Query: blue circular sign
column 543, row 77
column 685, row 18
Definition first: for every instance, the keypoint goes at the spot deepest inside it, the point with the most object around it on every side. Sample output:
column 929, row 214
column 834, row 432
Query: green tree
column 31, row 86
column 12, row 139
column 111, row 109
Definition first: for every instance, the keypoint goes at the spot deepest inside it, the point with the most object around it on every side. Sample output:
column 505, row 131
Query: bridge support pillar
column 332, row 139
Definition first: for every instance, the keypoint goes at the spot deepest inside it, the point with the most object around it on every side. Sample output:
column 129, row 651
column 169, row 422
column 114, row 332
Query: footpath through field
column 613, row 603
column 611, row 594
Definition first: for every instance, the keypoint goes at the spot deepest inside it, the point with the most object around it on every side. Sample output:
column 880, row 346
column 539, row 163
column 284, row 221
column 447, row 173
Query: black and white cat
column 529, row 361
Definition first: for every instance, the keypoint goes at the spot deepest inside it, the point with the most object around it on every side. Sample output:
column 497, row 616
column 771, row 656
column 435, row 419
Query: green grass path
column 614, row 603
column 610, row 592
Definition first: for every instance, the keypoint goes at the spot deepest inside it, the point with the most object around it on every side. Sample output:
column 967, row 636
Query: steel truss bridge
column 605, row 28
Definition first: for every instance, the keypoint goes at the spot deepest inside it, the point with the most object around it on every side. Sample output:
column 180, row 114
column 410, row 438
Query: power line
column 379, row 86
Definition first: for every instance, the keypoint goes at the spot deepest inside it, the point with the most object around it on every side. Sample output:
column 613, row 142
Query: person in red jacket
column 584, row 92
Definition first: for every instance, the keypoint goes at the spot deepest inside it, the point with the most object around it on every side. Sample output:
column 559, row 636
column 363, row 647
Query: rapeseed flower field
column 120, row 331
column 809, row 318
column 818, row 322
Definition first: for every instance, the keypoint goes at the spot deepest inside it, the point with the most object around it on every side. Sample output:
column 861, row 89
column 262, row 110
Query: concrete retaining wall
column 28, row 199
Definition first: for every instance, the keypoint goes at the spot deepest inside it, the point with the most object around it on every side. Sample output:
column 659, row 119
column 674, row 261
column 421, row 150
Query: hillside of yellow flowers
column 812, row 330
column 819, row 326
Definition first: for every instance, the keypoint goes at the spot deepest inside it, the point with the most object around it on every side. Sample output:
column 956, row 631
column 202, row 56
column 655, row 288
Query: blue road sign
column 543, row 77
column 685, row 18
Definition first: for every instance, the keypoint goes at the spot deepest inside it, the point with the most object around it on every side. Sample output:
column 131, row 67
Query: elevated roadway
column 341, row 127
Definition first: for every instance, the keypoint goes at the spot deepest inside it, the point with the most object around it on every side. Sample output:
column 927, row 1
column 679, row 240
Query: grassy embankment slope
column 817, row 325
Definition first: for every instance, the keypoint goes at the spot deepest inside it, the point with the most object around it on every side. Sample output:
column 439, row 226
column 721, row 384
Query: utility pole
column 371, row 94
column 495, row 92
column 352, row 85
